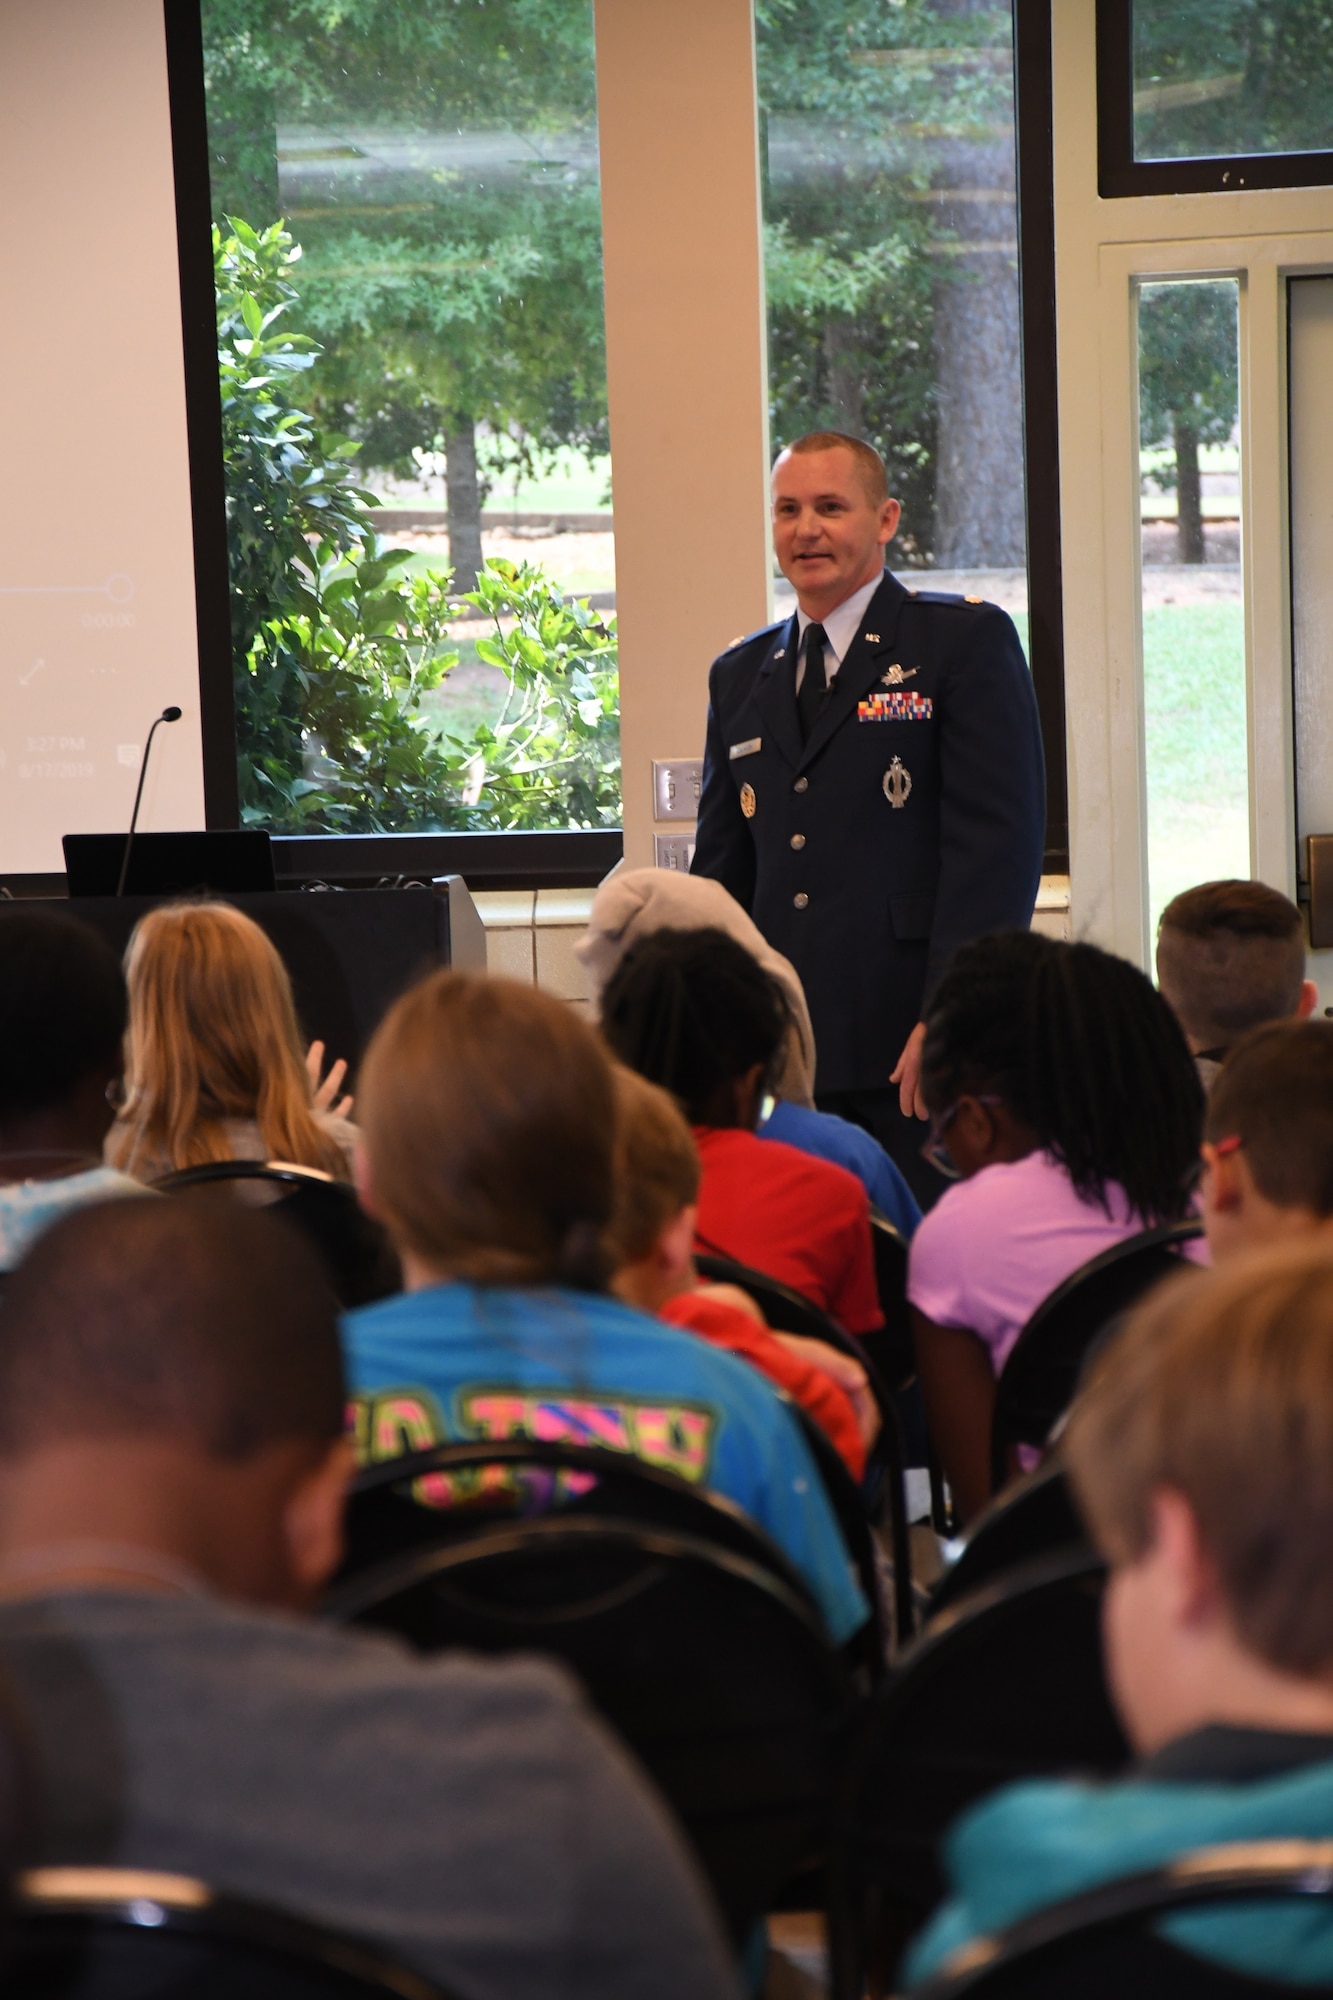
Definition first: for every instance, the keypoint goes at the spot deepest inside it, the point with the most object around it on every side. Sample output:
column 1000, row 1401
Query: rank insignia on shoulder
column 895, row 675
column 748, row 801
column 897, row 784
column 731, row 644
column 974, row 600
column 746, row 749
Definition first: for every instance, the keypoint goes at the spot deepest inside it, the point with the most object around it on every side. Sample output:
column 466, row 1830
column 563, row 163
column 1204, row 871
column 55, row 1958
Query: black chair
column 1102, row 1944
column 869, row 1648
column 1038, row 1380
column 395, row 1506
column 360, row 1260
column 122, row 1934
column 1007, row 1684
column 786, row 1311
column 716, row 1673
column 1034, row 1516
column 891, row 1347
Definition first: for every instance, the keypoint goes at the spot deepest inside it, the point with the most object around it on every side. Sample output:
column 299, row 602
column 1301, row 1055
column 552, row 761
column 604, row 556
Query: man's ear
column 890, row 513
column 1308, row 1001
column 313, row 1519
column 1223, row 1185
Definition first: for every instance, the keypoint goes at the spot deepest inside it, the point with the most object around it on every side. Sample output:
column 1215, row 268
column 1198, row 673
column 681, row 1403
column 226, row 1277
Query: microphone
column 172, row 714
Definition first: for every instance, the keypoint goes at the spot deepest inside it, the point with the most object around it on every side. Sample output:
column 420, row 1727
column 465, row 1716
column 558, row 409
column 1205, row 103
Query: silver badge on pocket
column 897, row 784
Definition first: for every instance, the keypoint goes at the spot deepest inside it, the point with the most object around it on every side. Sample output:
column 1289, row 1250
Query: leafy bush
column 336, row 643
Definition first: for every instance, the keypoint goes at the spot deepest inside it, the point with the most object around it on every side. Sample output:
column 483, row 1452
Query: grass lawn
column 1194, row 709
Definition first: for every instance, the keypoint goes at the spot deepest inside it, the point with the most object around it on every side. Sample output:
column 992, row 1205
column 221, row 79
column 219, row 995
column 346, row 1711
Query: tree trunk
column 464, row 493
column 843, row 362
column 1189, row 500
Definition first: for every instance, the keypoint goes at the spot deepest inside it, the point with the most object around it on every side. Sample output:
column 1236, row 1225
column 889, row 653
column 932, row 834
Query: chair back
column 715, row 1672
column 869, row 1648
column 1034, row 1516
column 356, row 1252
column 125, row 1934
column 450, row 1493
column 1006, row 1684
column 891, row 1348
column 1102, row 1944
column 886, row 1475
column 1041, row 1374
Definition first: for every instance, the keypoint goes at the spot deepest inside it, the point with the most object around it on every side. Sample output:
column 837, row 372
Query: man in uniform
column 874, row 790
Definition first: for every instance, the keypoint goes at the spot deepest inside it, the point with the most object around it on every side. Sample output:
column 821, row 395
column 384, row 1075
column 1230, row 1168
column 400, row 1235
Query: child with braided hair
column 1065, row 1103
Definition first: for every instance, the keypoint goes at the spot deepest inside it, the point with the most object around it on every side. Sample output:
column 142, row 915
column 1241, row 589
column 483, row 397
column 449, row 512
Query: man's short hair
column 869, row 463
column 657, row 1166
column 488, row 1118
column 1275, row 1093
column 1220, row 1388
column 1230, row 955
column 170, row 1317
column 62, row 1008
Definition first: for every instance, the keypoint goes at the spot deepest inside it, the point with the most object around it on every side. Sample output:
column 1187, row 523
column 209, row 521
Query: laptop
column 232, row 861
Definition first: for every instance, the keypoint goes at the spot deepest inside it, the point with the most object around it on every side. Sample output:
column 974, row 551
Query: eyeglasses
column 934, row 1152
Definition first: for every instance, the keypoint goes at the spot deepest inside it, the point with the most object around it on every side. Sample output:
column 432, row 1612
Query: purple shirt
column 996, row 1245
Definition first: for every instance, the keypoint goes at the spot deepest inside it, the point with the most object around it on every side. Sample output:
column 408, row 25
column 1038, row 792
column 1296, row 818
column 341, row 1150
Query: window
column 1192, row 602
column 408, row 272
column 1198, row 95
column 892, row 266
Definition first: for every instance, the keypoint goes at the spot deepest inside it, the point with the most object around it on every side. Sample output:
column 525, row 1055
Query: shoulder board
column 945, row 597
column 747, row 638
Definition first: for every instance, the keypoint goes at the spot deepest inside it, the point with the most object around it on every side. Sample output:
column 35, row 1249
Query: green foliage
column 1221, row 77
column 336, row 643
column 1188, row 361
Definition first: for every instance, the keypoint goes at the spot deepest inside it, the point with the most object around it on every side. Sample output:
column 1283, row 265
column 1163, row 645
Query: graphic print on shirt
column 386, row 1423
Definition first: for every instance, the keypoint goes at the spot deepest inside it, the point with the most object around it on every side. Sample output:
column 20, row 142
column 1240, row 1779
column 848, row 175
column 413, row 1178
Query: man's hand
column 907, row 1076
column 326, row 1093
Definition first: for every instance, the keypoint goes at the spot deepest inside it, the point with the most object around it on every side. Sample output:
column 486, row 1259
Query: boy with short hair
column 1268, row 1140
column 1201, row 1454
column 652, row 1241
column 1230, row 956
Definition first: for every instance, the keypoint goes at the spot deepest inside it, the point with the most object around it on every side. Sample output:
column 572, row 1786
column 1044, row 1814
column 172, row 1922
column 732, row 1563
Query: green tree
column 1188, row 387
column 336, row 642
column 1222, row 77
column 456, row 304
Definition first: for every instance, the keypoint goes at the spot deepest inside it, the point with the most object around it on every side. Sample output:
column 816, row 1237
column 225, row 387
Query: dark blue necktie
column 811, row 694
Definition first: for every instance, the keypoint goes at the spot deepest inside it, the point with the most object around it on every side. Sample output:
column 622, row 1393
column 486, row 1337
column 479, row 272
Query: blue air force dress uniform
column 910, row 819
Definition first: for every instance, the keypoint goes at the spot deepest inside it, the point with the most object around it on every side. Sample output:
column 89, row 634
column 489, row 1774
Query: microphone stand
column 167, row 715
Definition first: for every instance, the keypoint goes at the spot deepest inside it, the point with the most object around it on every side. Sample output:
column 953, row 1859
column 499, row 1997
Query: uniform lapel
column 775, row 693
column 861, row 665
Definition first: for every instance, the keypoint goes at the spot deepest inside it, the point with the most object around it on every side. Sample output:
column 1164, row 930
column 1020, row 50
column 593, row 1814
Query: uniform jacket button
column 798, row 840
column 801, row 785
column 800, row 899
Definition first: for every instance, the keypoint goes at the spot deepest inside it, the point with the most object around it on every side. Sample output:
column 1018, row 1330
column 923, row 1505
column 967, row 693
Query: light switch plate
column 677, row 783
column 673, row 850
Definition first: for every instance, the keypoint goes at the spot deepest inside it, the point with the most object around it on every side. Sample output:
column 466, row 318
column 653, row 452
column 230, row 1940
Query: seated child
column 488, row 1126
column 1230, row 956
column 652, row 1240
column 1064, row 1101
column 692, row 1011
column 1268, row 1140
column 1201, row 1454
column 62, row 1018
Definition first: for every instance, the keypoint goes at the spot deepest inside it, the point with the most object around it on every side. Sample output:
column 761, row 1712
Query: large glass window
column 892, row 264
column 1193, row 608
column 1223, row 79
column 408, row 268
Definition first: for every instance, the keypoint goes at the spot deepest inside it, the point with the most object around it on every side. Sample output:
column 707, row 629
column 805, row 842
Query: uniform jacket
column 912, row 821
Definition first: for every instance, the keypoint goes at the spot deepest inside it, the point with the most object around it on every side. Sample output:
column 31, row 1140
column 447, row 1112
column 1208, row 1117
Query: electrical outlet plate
column 673, row 850
column 677, row 784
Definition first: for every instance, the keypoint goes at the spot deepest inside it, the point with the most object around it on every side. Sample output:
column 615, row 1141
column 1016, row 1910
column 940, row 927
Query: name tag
column 900, row 705
column 746, row 749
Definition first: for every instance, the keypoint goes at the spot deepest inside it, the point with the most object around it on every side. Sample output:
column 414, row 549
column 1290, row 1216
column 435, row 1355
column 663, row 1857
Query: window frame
column 500, row 858
column 1120, row 175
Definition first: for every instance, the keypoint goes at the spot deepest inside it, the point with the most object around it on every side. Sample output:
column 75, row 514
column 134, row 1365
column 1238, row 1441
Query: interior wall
column 686, row 365
column 97, row 614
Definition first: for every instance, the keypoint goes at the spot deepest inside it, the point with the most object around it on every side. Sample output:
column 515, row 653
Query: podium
column 350, row 952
